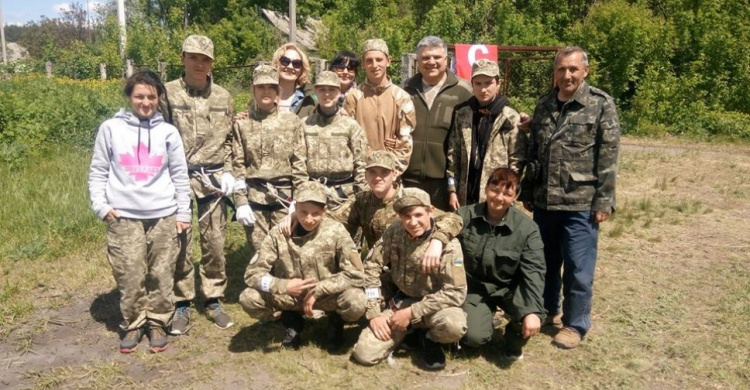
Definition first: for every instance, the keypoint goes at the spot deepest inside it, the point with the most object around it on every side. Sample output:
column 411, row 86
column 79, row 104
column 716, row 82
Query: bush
column 36, row 111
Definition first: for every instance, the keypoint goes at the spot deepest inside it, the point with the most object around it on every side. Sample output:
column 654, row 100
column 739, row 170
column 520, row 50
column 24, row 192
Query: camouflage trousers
column 212, row 268
column 265, row 220
column 142, row 253
column 445, row 327
column 350, row 304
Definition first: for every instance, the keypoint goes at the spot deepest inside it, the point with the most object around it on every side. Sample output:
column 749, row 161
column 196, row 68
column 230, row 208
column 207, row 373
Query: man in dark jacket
column 570, row 186
column 435, row 92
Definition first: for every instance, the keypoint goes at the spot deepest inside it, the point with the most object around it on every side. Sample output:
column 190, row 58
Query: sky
column 23, row 11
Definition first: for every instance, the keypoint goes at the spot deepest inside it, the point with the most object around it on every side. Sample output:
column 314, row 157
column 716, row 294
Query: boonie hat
column 375, row 44
column 311, row 191
column 328, row 78
column 381, row 158
column 485, row 67
column 412, row 197
column 265, row 74
column 199, row 44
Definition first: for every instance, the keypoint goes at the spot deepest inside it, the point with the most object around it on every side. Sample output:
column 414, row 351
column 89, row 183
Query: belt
column 334, row 182
column 208, row 169
column 282, row 183
column 266, row 207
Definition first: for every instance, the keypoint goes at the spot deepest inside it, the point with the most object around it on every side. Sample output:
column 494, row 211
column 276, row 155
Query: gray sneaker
column 130, row 340
column 157, row 339
column 215, row 313
column 180, row 321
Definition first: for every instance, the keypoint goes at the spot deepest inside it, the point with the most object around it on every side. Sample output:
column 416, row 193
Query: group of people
column 426, row 176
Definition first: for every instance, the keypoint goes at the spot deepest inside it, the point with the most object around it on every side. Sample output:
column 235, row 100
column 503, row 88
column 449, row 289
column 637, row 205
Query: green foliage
column 36, row 111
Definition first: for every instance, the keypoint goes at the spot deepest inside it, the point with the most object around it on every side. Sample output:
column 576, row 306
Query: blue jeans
column 570, row 240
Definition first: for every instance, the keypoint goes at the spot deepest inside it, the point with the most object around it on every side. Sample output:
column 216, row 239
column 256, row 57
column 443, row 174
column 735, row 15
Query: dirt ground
column 671, row 308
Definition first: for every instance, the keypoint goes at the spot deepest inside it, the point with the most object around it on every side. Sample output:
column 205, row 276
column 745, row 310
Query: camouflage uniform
column 264, row 149
column 327, row 254
column 384, row 112
column 142, row 254
column 576, row 150
column 435, row 299
column 505, row 148
column 334, row 151
column 573, row 155
column 204, row 119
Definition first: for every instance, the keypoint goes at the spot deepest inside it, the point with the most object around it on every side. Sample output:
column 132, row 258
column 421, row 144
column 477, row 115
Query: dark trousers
column 436, row 188
column 479, row 313
column 570, row 243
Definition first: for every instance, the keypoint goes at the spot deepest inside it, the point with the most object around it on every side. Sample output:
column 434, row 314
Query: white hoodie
column 139, row 169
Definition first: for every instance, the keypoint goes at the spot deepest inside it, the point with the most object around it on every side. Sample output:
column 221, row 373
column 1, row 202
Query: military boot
column 334, row 333
column 293, row 323
column 432, row 352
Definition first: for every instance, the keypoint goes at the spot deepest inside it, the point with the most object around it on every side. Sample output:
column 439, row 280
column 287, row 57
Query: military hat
column 265, row 74
column 198, row 44
column 375, row 44
column 328, row 78
column 485, row 67
column 412, row 197
column 311, row 191
column 381, row 158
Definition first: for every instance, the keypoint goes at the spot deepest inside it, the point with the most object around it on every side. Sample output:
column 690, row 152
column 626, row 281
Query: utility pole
column 293, row 21
column 121, row 22
column 2, row 35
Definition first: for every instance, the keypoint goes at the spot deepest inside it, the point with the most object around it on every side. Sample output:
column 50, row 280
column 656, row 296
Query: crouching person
column 429, row 302
column 317, row 268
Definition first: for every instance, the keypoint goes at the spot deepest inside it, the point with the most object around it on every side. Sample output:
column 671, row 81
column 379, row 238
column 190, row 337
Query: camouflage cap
column 328, row 78
column 485, row 67
column 381, row 158
column 411, row 197
column 311, row 191
column 375, row 44
column 198, row 44
column 265, row 74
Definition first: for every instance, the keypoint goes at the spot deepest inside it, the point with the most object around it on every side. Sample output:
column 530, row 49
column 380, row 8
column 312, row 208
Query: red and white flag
column 466, row 55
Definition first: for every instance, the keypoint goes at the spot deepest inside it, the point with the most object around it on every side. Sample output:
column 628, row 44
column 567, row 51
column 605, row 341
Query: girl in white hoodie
column 139, row 186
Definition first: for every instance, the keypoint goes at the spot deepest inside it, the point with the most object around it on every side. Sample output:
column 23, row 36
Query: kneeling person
column 317, row 268
column 505, row 266
column 429, row 302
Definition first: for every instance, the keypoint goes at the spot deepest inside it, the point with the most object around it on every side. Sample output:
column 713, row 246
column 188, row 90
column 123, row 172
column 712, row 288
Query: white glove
column 227, row 183
column 245, row 215
column 292, row 207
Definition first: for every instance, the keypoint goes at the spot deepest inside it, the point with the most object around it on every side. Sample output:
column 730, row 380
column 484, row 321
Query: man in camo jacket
column 202, row 111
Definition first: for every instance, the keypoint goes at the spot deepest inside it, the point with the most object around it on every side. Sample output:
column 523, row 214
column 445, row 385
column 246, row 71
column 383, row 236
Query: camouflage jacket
column 327, row 254
column 374, row 215
column 506, row 149
column 265, row 148
column 402, row 255
column 384, row 113
column 576, row 149
column 334, row 151
column 204, row 119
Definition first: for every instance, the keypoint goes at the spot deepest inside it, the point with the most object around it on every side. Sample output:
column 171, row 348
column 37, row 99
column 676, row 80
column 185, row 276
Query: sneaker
column 216, row 313
column 334, row 333
column 130, row 340
column 180, row 321
column 511, row 356
column 434, row 357
column 567, row 338
column 293, row 323
column 554, row 320
column 157, row 339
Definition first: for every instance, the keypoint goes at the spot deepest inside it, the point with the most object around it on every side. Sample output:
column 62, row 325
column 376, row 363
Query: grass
column 670, row 310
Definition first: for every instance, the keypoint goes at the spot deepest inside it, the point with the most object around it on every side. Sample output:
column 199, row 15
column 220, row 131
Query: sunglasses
column 285, row 61
column 341, row 68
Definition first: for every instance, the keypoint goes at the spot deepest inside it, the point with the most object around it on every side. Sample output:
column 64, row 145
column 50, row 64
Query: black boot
column 293, row 323
column 334, row 333
column 432, row 352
